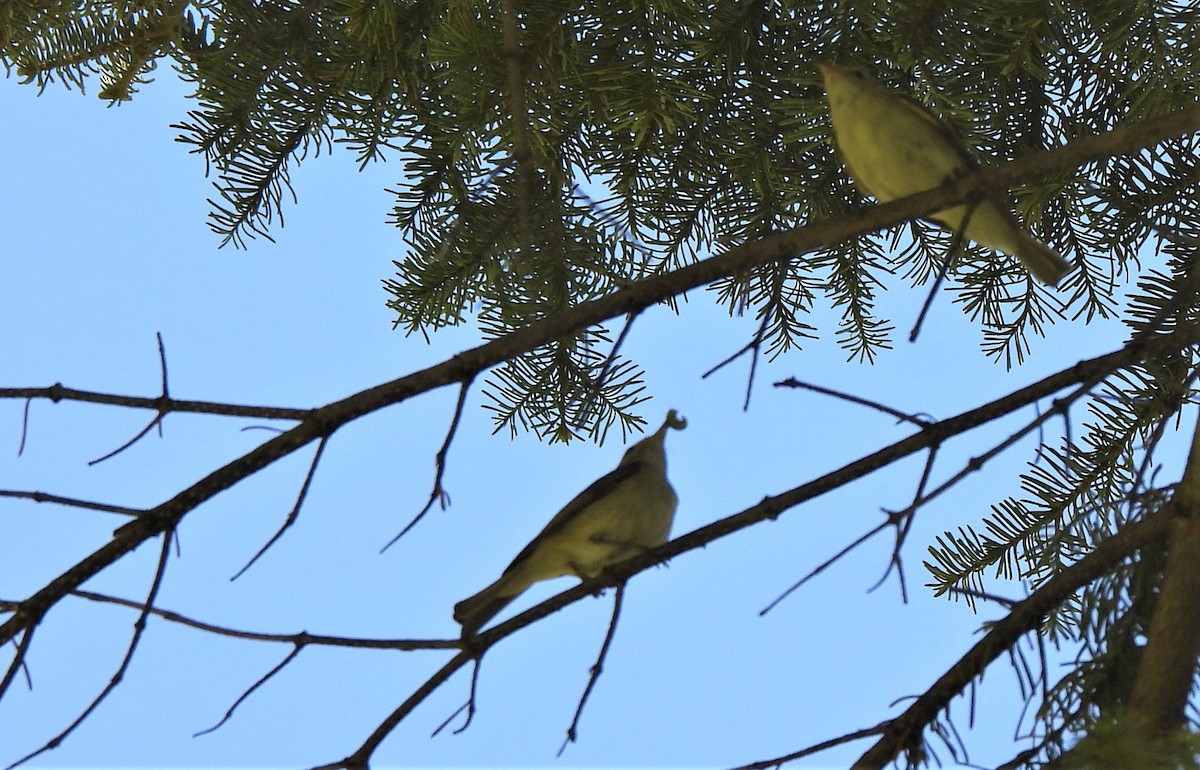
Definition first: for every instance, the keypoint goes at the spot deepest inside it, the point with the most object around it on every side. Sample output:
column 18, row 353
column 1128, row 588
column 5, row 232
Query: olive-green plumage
column 619, row 516
column 894, row 147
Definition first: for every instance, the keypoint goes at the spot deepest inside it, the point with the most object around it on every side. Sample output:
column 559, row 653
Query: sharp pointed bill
column 894, row 147
column 619, row 516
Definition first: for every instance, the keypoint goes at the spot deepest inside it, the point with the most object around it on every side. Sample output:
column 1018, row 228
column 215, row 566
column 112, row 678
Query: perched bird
column 894, row 147
column 616, row 518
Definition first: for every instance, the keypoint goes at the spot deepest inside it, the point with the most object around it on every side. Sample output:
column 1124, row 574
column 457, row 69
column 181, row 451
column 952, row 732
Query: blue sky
column 106, row 244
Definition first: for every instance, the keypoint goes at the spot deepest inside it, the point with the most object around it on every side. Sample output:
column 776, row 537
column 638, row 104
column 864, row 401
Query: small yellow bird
column 616, row 518
column 894, row 147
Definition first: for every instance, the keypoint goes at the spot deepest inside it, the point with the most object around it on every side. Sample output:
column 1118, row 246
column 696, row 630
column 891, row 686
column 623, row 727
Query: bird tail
column 474, row 611
column 1045, row 264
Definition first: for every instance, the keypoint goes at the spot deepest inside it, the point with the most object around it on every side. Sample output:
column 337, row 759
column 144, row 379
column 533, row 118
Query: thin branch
column 24, row 427
column 937, row 284
column 446, row 722
column 903, row 523
column 816, row 748
column 754, row 346
column 139, row 626
column 919, row 419
column 1003, row 601
column 469, row 706
column 360, row 759
column 755, row 355
column 46, row 497
column 164, row 397
column 744, row 349
column 953, row 252
column 58, row 392
column 472, row 699
column 438, row 493
column 260, row 682
column 295, row 512
column 975, row 464
column 18, row 661
column 594, row 391
column 300, row 638
column 597, row 668
column 825, row 565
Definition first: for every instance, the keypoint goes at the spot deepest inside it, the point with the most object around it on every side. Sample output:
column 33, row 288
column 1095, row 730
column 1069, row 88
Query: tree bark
column 1164, row 679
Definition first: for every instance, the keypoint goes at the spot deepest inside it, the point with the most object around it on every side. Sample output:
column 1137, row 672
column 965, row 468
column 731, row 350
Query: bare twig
column 956, row 247
column 743, row 350
column 45, row 497
column 974, row 464
column 164, row 397
column 1004, row 602
column 933, row 290
column 473, row 699
column 18, row 661
column 360, row 759
column 58, row 392
column 24, row 427
column 919, row 419
column 260, row 682
column 825, row 565
column 300, row 638
column 438, row 494
column 902, row 519
column 446, row 722
column 903, row 523
column 597, row 668
column 294, row 513
column 754, row 346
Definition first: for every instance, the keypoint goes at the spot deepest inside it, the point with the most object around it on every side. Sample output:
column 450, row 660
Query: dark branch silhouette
column 293, row 514
column 438, row 494
column 163, row 399
column 596, row 669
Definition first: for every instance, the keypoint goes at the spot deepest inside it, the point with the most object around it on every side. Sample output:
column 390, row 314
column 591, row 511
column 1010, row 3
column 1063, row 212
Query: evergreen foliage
column 555, row 150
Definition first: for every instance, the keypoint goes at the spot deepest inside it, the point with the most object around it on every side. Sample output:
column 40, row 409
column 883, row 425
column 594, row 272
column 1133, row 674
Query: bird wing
column 598, row 489
column 1000, row 199
column 945, row 129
